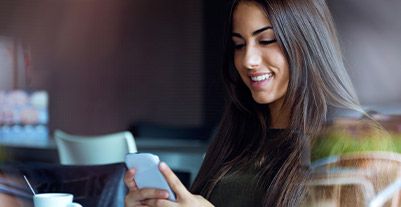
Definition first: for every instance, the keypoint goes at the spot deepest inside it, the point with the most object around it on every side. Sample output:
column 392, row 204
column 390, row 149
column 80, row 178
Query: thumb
column 173, row 181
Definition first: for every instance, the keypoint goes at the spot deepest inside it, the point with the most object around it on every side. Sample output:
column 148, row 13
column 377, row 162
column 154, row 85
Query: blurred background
column 111, row 65
column 108, row 64
column 371, row 42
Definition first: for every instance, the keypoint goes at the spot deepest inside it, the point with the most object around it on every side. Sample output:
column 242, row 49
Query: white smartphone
column 147, row 173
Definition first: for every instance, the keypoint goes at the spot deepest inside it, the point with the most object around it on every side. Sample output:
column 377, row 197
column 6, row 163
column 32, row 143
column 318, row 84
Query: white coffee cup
column 54, row 200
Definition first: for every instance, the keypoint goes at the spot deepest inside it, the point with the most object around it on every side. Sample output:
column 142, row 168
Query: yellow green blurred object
column 347, row 136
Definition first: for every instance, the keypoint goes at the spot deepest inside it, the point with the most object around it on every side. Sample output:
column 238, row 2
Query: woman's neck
column 279, row 116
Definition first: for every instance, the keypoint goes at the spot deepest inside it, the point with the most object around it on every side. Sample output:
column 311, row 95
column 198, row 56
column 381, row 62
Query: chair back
column 339, row 187
column 382, row 169
column 94, row 150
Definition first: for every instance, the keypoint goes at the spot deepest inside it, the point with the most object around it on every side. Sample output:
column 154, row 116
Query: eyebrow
column 234, row 34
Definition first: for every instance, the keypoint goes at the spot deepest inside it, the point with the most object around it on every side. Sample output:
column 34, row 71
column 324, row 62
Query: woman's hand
column 158, row 198
column 184, row 197
column 137, row 197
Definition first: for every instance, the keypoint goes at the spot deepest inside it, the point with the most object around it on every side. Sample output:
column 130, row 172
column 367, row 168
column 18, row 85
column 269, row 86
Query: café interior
column 83, row 83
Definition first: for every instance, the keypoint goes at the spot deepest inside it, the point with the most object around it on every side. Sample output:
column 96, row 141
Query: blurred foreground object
column 356, row 179
column 348, row 135
column 357, row 162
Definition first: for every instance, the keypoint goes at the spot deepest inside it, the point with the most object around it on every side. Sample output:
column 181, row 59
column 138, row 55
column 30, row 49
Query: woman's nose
column 252, row 59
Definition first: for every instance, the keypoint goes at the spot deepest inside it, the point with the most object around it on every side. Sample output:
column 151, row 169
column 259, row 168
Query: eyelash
column 262, row 42
column 237, row 47
column 267, row 42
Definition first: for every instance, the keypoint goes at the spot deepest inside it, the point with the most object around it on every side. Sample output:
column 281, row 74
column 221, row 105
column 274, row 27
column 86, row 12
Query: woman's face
column 258, row 58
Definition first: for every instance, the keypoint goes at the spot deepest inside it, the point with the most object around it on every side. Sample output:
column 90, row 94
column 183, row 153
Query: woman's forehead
column 249, row 16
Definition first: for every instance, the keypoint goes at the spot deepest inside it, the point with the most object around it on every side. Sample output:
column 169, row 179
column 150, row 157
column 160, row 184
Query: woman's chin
column 261, row 99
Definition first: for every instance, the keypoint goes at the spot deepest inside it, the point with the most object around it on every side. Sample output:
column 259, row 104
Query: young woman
column 283, row 69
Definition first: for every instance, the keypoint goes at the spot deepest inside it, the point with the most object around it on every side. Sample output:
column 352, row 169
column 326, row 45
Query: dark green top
column 240, row 189
column 237, row 190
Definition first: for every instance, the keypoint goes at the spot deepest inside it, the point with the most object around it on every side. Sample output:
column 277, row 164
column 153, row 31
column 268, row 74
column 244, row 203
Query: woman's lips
column 261, row 77
column 259, row 80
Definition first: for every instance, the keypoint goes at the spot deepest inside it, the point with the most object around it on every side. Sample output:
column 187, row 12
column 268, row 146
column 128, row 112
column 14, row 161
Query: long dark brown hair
column 318, row 79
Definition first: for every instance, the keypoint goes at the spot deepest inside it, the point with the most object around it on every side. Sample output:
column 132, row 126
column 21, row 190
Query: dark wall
column 107, row 64
column 213, row 91
column 370, row 34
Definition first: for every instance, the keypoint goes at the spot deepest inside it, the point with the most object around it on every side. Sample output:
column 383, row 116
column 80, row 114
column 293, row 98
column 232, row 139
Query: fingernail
column 163, row 165
column 163, row 194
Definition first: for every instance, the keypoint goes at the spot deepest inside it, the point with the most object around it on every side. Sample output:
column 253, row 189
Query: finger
column 159, row 203
column 173, row 180
column 148, row 193
column 130, row 201
column 129, row 179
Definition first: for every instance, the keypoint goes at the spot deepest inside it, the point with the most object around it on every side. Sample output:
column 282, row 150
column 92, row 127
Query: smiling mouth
column 261, row 77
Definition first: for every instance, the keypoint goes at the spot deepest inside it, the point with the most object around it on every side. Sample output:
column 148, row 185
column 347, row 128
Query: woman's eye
column 238, row 46
column 267, row 42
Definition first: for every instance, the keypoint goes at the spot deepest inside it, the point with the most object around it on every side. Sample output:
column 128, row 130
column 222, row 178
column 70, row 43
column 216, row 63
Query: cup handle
column 74, row 205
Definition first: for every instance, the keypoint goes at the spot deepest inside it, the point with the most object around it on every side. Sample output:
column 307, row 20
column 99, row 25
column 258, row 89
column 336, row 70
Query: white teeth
column 261, row 77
